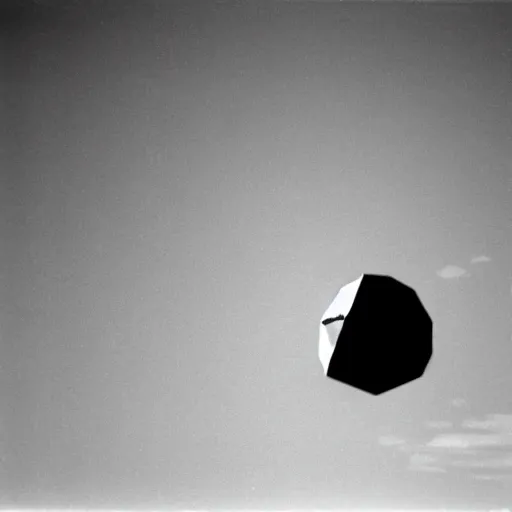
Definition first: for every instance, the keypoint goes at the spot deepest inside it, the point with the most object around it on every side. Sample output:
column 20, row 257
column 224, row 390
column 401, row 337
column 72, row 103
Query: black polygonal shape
column 376, row 335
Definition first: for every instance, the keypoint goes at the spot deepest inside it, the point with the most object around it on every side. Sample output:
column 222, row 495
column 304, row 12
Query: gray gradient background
column 184, row 189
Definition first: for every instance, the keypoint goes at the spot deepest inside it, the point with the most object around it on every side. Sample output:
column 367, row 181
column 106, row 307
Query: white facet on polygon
column 329, row 333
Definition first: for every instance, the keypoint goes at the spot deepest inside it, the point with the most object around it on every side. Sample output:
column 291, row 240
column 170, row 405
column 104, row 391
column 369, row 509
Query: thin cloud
column 501, row 423
column 462, row 440
column 437, row 451
column 390, row 440
column 490, row 463
column 480, row 259
column 497, row 478
column 459, row 402
column 424, row 462
column 422, row 458
column 480, row 447
column 452, row 272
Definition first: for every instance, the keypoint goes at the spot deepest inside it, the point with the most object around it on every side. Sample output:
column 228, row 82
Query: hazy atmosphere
column 184, row 188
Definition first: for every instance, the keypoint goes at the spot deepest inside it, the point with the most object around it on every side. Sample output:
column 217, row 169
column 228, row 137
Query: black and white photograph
column 255, row 256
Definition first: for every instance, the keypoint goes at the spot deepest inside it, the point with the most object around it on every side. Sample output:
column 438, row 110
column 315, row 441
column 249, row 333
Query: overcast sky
column 184, row 190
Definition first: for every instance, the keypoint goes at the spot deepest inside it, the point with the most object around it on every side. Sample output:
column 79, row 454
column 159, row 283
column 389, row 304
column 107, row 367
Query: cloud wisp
column 452, row 272
column 482, row 448
column 390, row 440
column 459, row 402
column 480, row 259
column 456, row 272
